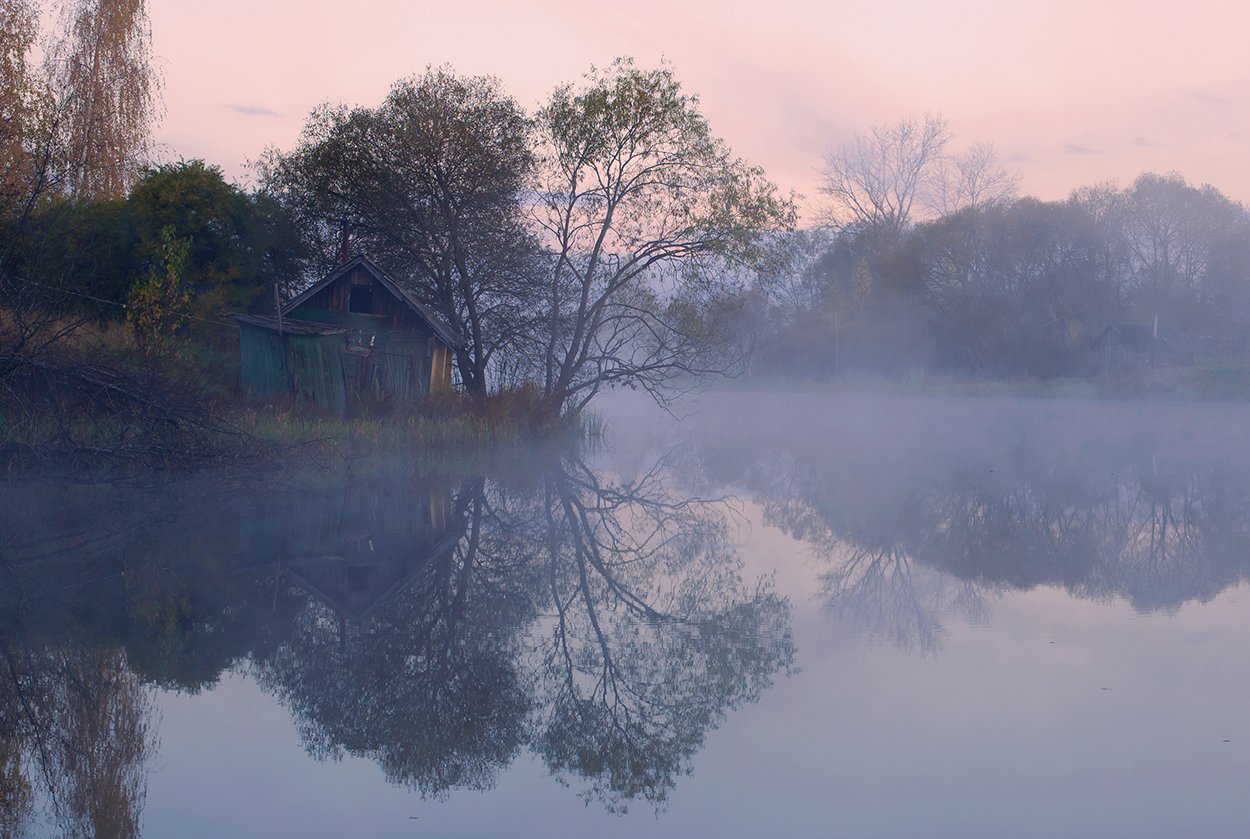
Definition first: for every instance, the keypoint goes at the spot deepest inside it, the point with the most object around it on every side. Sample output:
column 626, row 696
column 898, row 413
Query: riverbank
column 89, row 399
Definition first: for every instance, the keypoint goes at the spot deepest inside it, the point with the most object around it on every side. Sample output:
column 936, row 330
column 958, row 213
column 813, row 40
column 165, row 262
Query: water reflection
column 77, row 730
column 437, row 626
column 910, row 533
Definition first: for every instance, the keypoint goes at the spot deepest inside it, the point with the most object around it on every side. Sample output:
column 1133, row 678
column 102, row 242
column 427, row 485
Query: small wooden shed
column 355, row 335
column 1122, row 347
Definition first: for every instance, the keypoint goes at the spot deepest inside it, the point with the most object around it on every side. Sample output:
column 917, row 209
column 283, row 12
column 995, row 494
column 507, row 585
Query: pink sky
column 1070, row 93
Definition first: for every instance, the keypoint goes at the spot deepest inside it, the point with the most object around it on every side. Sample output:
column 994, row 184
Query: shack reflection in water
column 439, row 627
column 461, row 632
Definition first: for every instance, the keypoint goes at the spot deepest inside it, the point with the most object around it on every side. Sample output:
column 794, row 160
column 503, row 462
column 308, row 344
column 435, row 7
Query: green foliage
column 158, row 305
column 96, row 250
column 634, row 191
column 432, row 183
column 240, row 244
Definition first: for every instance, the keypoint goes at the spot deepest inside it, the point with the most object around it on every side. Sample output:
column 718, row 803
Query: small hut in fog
column 355, row 335
column 1122, row 347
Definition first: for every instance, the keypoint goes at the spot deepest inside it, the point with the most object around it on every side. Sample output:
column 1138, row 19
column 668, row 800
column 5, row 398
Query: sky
column 1070, row 93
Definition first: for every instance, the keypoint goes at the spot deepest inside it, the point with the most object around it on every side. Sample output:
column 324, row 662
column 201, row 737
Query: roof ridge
column 441, row 327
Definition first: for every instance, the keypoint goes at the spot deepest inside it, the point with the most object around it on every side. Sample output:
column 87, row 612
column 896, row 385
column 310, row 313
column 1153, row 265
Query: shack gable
column 355, row 335
column 360, row 295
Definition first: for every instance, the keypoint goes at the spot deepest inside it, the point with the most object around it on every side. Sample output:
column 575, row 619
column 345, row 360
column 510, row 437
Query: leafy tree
column 238, row 244
column 158, row 305
column 18, row 100
column 80, row 128
column 107, row 94
column 1174, row 236
column 635, row 194
column 431, row 182
column 1018, row 288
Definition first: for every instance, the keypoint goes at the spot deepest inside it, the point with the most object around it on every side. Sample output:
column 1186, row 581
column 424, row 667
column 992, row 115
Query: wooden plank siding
column 305, row 367
column 393, row 347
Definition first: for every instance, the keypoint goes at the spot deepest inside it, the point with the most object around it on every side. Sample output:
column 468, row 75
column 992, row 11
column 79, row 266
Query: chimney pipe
column 345, row 246
column 1156, row 332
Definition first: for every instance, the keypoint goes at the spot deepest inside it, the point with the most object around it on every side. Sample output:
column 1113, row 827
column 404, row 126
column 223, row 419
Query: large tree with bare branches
column 875, row 180
column 638, row 202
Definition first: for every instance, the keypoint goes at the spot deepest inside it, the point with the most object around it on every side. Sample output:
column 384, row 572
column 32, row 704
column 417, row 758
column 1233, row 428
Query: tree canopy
column 431, row 183
column 636, row 196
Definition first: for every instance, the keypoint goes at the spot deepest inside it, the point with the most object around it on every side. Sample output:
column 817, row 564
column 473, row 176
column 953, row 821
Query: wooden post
column 277, row 306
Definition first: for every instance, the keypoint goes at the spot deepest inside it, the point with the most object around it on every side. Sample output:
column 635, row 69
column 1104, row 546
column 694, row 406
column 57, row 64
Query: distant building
column 357, row 334
column 1122, row 347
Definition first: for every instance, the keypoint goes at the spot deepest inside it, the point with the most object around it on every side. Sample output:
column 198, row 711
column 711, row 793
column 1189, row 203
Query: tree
column 18, row 99
column 1174, row 236
column 605, row 627
column 108, row 94
column 158, row 304
column 636, row 198
column 77, row 129
column 656, row 634
column 971, row 180
column 875, row 180
column 239, row 244
column 1015, row 288
column 431, row 183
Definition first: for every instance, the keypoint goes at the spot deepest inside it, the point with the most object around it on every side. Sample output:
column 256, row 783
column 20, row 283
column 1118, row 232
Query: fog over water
column 791, row 614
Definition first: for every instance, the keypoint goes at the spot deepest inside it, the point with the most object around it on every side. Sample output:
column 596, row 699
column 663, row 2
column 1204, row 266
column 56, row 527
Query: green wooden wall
column 308, row 367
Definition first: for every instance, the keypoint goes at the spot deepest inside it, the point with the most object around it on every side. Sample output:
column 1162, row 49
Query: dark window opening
column 361, row 300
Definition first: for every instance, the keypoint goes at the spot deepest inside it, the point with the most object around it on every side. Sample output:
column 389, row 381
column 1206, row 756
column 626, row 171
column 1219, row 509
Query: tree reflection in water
column 603, row 626
column 653, row 634
column 912, row 538
column 439, row 628
column 77, row 729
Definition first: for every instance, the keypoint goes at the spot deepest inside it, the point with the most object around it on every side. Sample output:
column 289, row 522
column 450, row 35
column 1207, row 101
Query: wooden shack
column 1123, row 347
column 356, row 335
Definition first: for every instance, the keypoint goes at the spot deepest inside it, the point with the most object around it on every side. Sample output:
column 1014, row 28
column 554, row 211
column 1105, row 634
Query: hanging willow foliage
column 108, row 93
column 18, row 30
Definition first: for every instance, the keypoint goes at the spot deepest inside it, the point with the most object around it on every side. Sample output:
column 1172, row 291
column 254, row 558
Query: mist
column 587, row 428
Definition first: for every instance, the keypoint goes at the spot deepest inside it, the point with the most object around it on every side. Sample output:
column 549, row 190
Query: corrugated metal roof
column 290, row 326
column 442, row 329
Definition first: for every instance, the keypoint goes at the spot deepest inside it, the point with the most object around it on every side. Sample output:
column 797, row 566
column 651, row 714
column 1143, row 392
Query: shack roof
column 449, row 336
column 359, row 605
column 291, row 326
column 1141, row 337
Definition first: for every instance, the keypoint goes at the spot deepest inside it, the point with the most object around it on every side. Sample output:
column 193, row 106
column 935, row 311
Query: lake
column 786, row 614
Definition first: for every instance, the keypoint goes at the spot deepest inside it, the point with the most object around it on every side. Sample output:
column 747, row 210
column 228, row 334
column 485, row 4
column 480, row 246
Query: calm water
column 786, row 615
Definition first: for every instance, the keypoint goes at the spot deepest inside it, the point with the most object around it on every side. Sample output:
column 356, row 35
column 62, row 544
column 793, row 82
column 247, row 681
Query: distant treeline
column 607, row 239
column 1015, row 288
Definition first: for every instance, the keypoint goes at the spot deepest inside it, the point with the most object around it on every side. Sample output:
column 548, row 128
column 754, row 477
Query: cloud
column 254, row 110
column 1143, row 143
column 1073, row 148
column 1208, row 98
